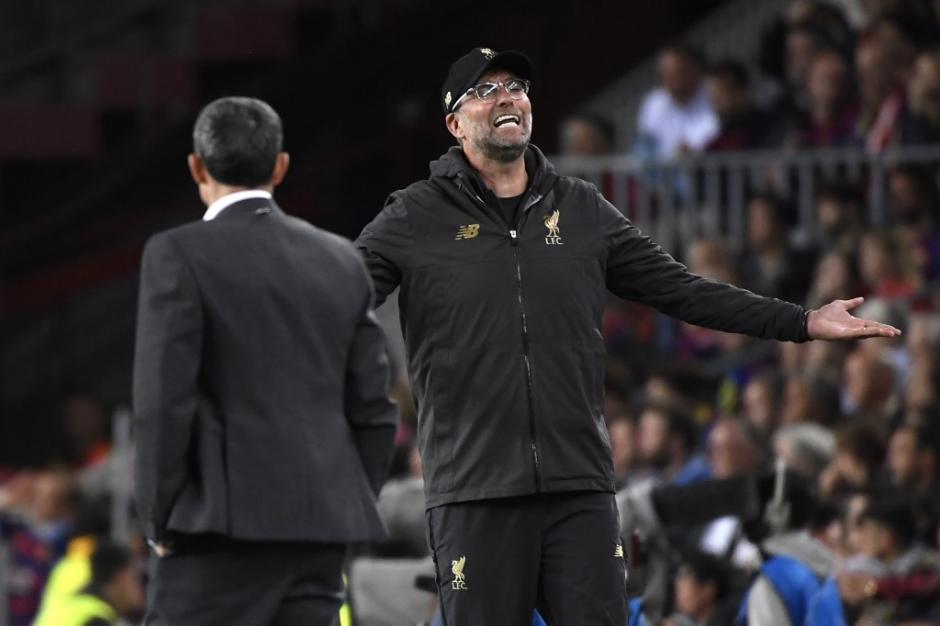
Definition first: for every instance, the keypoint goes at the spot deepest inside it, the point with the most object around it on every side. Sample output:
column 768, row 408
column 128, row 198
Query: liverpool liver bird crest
column 551, row 223
column 456, row 568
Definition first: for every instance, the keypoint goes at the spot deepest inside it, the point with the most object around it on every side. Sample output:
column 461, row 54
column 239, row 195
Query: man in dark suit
column 262, row 427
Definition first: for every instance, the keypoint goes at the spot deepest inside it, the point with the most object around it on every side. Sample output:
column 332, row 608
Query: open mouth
column 502, row 120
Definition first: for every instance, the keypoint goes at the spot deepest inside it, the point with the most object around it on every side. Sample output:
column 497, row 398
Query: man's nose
column 502, row 95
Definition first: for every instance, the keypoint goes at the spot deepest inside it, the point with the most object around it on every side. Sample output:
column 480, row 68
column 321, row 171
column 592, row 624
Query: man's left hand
column 833, row 321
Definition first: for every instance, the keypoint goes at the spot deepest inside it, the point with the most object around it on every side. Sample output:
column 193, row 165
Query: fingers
column 851, row 304
column 869, row 328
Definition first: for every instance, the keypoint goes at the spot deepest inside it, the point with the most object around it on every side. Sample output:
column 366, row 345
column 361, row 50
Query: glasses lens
column 485, row 91
column 517, row 88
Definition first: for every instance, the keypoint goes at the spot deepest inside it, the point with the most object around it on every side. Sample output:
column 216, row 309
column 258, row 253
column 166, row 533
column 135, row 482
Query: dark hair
column 239, row 140
column 678, row 422
column 107, row 560
column 687, row 51
column 598, row 122
column 895, row 513
column 923, row 179
column 782, row 208
column 863, row 441
column 926, row 436
column 842, row 191
column 707, row 567
column 731, row 71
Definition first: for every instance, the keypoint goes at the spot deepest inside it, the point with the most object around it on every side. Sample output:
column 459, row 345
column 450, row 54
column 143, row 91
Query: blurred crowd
column 820, row 81
column 61, row 561
column 856, row 424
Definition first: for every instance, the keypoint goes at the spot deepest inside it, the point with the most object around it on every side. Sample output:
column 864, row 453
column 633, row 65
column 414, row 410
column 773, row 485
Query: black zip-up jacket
column 502, row 323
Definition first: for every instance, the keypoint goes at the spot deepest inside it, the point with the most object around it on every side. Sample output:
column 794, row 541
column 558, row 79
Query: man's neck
column 219, row 190
column 506, row 180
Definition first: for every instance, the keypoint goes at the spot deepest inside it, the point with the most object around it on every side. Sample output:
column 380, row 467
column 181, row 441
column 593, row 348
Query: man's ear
column 452, row 121
column 281, row 163
column 197, row 169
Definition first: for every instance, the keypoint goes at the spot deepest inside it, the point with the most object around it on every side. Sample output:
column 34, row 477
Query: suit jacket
column 261, row 405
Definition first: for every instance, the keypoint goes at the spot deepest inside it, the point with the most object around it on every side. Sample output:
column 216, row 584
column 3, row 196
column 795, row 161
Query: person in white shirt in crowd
column 676, row 118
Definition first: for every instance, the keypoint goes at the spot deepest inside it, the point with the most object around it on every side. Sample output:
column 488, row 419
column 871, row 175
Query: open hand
column 833, row 321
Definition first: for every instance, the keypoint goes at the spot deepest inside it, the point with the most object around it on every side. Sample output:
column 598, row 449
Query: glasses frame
column 504, row 84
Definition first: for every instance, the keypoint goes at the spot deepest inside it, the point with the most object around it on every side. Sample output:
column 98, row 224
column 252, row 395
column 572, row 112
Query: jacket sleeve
column 384, row 244
column 638, row 269
column 372, row 415
column 166, row 367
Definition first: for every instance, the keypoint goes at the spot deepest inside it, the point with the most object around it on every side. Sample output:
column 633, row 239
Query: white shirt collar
column 237, row 196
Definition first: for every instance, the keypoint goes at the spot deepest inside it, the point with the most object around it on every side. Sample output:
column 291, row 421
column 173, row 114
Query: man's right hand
column 833, row 322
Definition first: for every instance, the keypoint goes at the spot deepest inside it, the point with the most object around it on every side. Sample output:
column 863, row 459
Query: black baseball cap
column 466, row 70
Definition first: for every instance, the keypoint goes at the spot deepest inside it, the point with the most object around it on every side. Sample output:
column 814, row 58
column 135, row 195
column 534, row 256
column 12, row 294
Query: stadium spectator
column 831, row 111
column 836, row 276
column 856, row 460
column 676, row 118
column 889, row 546
column 869, row 387
column 666, row 441
column 922, row 389
column 806, row 448
column 36, row 518
column 742, row 126
column 913, row 461
column 810, row 396
column 114, row 592
column 898, row 38
column 921, row 123
column 914, row 204
column 760, row 404
column 770, row 264
column 701, row 586
column 798, row 559
column 886, row 267
column 838, row 216
column 733, row 451
column 586, row 134
column 881, row 96
column 86, row 427
column 802, row 43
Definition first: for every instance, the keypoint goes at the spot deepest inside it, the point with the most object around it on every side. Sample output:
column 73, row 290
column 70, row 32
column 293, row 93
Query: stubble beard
column 502, row 150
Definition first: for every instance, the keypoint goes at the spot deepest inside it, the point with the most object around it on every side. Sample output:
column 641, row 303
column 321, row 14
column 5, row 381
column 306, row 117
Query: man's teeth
column 506, row 119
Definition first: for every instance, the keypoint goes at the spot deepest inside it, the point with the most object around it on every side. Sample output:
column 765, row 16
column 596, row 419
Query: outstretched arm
column 833, row 322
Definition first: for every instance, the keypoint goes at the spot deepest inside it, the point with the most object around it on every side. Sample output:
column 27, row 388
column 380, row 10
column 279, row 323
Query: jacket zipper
column 530, row 387
column 514, row 241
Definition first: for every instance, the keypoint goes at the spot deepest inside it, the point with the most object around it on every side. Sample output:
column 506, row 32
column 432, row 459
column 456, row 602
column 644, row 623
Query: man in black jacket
column 503, row 267
column 262, row 425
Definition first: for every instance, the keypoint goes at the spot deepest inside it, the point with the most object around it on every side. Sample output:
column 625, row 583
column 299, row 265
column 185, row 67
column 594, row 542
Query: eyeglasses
column 515, row 87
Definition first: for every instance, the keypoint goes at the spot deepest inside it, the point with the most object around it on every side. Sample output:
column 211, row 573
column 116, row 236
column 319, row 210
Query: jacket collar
column 248, row 208
column 229, row 199
column 454, row 165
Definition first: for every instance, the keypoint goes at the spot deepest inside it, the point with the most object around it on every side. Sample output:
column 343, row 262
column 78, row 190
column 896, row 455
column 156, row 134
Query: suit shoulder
column 323, row 236
column 336, row 245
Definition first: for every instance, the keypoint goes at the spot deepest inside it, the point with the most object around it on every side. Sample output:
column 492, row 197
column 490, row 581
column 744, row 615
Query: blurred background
column 791, row 147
